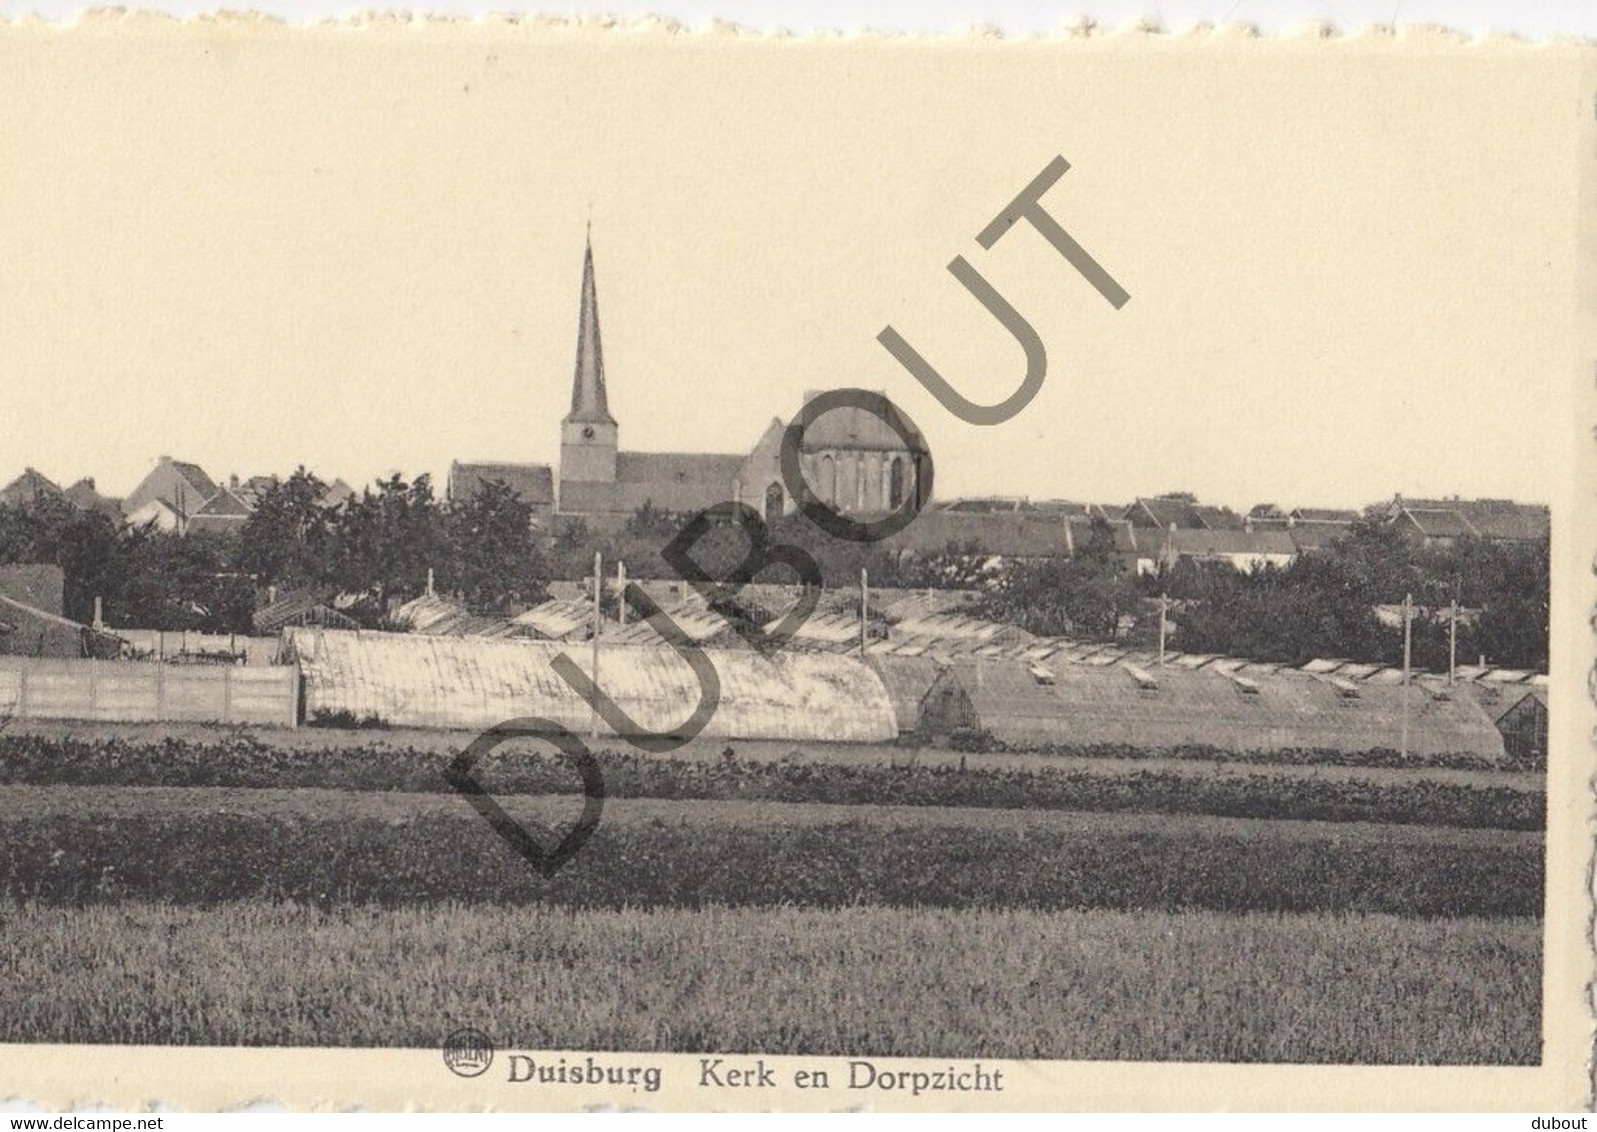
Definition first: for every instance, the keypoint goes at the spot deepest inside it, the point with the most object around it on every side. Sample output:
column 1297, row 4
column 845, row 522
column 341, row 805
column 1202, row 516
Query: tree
column 84, row 544
column 382, row 543
column 285, row 538
column 492, row 560
column 1324, row 604
column 1081, row 596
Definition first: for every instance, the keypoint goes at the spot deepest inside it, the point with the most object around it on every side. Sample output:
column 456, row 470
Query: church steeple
column 588, row 402
column 589, row 433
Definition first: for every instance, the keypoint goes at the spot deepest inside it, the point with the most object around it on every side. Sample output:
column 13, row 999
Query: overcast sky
column 363, row 254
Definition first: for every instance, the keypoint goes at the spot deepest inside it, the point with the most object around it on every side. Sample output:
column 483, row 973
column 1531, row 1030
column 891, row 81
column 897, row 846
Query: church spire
column 588, row 402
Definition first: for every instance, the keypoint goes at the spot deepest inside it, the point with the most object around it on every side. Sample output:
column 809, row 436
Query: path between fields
column 25, row 804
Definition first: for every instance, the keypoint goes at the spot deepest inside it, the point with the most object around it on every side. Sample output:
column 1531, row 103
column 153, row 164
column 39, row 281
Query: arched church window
column 895, row 484
column 774, row 502
column 828, row 485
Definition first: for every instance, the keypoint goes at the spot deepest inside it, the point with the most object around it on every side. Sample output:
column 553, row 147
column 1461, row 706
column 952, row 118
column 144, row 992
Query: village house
column 1163, row 512
column 169, row 495
column 1442, row 522
column 30, row 487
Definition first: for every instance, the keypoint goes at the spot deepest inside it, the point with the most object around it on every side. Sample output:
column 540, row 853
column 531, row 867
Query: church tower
column 588, row 434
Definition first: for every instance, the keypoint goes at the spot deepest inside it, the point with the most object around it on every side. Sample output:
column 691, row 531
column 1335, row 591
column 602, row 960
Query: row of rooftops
column 175, row 495
column 179, row 494
column 1168, row 528
column 1451, row 517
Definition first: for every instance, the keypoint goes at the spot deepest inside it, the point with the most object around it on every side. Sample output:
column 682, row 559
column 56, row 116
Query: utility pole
column 1452, row 642
column 864, row 608
column 598, row 623
column 1408, row 654
column 1164, row 606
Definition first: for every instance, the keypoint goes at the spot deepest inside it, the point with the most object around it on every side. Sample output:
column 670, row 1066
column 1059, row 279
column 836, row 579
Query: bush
column 345, row 720
column 971, row 740
column 199, row 847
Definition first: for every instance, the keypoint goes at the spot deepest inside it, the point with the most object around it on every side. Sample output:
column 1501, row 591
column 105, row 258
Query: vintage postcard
column 559, row 565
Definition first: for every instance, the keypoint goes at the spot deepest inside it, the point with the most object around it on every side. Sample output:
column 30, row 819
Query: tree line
column 1325, row 603
column 377, row 546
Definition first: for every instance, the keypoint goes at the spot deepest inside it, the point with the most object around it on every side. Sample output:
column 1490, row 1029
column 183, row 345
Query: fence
column 121, row 691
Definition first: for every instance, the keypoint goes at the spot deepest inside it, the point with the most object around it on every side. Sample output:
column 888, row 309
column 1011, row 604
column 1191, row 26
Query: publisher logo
column 468, row 1053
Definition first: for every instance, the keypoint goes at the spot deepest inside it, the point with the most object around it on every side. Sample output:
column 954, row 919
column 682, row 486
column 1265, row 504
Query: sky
column 1351, row 271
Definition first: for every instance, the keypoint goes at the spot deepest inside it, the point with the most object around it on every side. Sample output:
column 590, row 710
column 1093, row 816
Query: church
column 854, row 461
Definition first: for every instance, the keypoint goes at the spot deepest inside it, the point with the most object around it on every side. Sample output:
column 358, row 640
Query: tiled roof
column 1008, row 535
column 204, row 486
column 1125, row 535
column 252, row 488
column 1324, row 515
column 1218, row 518
column 30, row 485
column 1489, row 518
column 1316, row 536
column 533, row 482
column 1439, row 523
column 679, row 497
column 1164, row 513
column 679, row 482
column 224, row 504
column 85, row 497
column 719, row 468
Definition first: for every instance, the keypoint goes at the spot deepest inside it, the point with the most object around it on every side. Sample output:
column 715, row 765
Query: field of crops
column 203, row 844
column 1453, row 798
column 866, row 981
column 218, row 886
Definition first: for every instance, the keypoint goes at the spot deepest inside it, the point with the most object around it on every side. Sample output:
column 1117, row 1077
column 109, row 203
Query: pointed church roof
column 588, row 403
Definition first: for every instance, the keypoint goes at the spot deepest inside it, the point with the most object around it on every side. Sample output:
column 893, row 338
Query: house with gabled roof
column 183, row 487
column 532, row 483
column 224, row 514
column 1244, row 550
column 30, row 487
column 1441, row 522
column 337, row 494
column 1164, row 512
column 86, row 497
column 157, row 514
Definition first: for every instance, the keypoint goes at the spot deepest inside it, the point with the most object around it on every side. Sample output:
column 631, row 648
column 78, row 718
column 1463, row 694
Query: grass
column 211, row 844
column 1319, row 988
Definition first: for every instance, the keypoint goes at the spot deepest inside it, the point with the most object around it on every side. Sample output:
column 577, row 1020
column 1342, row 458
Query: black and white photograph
column 715, row 570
